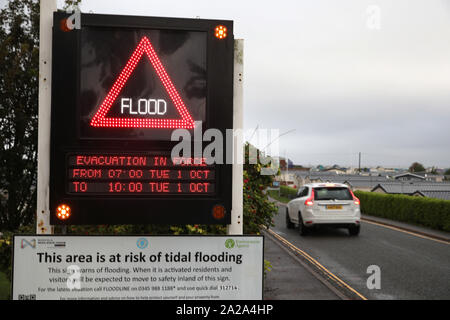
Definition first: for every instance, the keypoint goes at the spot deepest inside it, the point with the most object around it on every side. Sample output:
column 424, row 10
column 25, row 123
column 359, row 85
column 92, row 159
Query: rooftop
column 441, row 195
column 410, row 188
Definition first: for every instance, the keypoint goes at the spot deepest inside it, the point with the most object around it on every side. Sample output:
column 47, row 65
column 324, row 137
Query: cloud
column 316, row 67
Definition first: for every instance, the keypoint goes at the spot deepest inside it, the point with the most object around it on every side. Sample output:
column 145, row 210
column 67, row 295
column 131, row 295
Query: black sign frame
column 65, row 138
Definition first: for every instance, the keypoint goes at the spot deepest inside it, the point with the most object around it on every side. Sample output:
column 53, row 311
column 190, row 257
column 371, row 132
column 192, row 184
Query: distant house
column 337, row 170
column 289, row 178
column 408, row 176
column 411, row 188
column 317, row 177
column 435, row 177
column 441, row 195
column 313, row 179
column 382, row 170
column 394, row 188
column 361, row 182
column 360, row 185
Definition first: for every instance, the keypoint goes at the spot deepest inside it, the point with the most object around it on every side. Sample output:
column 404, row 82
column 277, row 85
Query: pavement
column 290, row 279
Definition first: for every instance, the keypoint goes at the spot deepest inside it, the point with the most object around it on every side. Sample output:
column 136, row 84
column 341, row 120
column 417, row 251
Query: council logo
column 229, row 243
column 142, row 243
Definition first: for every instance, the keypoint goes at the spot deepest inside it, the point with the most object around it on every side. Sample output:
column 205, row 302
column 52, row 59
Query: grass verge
column 275, row 195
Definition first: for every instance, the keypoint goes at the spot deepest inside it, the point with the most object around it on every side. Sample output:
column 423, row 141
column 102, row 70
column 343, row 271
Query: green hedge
column 288, row 192
column 427, row 212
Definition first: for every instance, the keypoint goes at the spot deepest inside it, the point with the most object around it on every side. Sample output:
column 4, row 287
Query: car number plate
column 334, row 207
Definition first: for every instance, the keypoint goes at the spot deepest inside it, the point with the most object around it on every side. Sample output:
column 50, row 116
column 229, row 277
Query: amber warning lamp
column 63, row 212
column 221, row 32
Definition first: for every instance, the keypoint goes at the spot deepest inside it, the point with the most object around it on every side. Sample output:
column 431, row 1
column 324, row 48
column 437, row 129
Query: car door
column 294, row 205
column 301, row 201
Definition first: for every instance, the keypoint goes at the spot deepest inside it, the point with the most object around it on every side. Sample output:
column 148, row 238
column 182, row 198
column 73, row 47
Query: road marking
column 281, row 233
column 404, row 231
column 316, row 264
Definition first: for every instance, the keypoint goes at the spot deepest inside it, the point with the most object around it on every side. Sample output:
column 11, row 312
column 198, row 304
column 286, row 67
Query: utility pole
column 359, row 163
column 287, row 167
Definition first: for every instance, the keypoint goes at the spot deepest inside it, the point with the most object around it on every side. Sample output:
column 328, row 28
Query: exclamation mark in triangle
column 100, row 120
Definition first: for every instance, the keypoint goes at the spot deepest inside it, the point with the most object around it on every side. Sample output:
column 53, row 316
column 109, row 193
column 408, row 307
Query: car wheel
column 302, row 229
column 354, row 230
column 289, row 223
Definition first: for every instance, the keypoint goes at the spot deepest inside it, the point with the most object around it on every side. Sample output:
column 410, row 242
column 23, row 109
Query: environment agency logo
column 28, row 243
column 142, row 243
column 229, row 243
column 240, row 244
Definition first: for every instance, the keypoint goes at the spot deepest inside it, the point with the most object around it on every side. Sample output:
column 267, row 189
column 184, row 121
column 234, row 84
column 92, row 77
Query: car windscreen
column 332, row 193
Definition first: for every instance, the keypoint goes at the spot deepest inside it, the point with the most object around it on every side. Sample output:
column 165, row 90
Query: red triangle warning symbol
column 99, row 119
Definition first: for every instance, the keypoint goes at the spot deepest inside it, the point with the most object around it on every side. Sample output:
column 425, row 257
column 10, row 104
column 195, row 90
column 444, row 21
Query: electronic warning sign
column 121, row 86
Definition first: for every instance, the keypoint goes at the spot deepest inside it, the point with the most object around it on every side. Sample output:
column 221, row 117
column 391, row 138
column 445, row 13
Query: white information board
column 51, row 267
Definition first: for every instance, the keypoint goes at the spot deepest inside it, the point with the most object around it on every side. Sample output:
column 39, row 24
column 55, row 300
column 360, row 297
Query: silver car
column 324, row 204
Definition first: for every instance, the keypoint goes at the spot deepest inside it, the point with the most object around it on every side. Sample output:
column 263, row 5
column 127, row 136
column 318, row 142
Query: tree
column 258, row 210
column 19, row 74
column 416, row 167
column 447, row 175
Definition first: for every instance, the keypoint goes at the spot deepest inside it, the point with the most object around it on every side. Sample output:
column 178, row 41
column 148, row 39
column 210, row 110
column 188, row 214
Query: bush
column 258, row 210
column 288, row 192
column 6, row 248
column 5, row 255
column 432, row 213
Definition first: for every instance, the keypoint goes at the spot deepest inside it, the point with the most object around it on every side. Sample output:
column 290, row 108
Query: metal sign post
column 237, row 214
column 47, row 7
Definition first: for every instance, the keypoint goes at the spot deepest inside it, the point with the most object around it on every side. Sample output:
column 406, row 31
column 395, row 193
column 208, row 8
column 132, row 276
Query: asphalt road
column 411, row 267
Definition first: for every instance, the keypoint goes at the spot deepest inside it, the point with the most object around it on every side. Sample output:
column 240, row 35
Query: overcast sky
column 346, row 81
